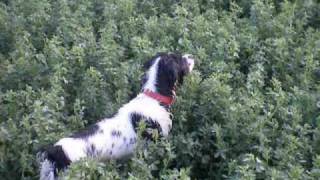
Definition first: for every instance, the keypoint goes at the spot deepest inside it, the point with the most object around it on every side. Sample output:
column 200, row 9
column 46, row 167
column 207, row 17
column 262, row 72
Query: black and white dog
column 115, row 137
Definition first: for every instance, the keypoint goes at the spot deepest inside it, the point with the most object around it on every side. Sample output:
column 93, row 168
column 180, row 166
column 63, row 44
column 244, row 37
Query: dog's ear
column 168, row 71
column 183, row 71
column 173, row 73
column 179, row 67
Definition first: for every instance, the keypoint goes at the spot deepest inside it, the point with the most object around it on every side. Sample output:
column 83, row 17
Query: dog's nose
column 190, row 61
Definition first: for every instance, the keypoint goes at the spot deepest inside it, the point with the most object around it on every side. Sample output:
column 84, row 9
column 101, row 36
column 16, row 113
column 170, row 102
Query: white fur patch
column 152, row 76
column 47, row 170
column 73, row 147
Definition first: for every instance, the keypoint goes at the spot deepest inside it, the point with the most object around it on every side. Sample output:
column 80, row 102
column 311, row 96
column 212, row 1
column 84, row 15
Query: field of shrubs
column 250, row 109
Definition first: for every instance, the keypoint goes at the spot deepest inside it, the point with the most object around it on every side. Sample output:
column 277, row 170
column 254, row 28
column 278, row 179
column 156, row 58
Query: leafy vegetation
column 251, row 109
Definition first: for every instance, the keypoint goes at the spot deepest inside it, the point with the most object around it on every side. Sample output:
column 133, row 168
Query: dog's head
column 165, row 71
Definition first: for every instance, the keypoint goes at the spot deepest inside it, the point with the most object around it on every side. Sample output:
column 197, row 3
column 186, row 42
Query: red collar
column 166, row 100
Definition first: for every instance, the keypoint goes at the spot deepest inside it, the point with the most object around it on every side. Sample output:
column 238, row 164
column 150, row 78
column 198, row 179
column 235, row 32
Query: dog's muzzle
column 190, row 61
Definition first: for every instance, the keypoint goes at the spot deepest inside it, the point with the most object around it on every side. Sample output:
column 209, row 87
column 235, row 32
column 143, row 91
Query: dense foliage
column 250, row 110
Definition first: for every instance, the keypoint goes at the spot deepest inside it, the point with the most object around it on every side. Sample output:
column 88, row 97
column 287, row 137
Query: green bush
column 250, row 110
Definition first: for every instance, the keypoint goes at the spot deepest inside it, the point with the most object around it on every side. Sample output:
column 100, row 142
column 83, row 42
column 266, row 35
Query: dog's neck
column 166, row 101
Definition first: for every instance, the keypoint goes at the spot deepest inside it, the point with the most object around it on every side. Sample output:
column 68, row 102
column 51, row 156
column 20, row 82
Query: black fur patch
column 132, row 140
column 56, row 155
column 150, row 125
column 91, row 150
column 116, row 133
column 89, row 131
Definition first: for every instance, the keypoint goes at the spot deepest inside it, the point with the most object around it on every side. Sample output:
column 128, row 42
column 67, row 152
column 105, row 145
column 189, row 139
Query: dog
column 116, row 137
